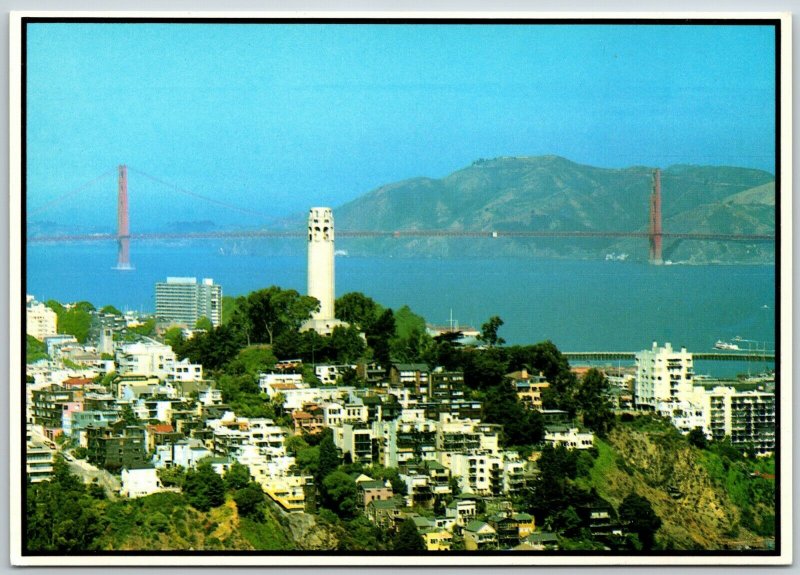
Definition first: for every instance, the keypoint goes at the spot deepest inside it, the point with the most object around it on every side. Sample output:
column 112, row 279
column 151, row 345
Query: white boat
column 725, row 345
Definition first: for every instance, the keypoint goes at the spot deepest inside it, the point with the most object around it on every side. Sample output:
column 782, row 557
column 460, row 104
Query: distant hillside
column 553, row 193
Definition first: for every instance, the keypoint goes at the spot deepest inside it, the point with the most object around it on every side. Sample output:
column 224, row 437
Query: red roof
column 78, row 381
column 161, row 428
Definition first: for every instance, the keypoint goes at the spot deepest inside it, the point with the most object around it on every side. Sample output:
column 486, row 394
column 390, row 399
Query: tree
column 328, row 456
column 204, row 488
column 62, row 514
column 346, row 344
column 358, row 310
column 274, row 310
column 174, row 337
column 520, row 425
column 638, row 514
column 237, row 477
column 294, row 444
column 592, row 398
column 110, row 309
column 204, row 323
column 380, row 336
column 489, row 332
column 408, row 538
column 340, row 494
column 697, row 438
column 250, row 501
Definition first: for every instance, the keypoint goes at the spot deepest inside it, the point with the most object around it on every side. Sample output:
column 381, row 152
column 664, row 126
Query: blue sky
column 276, row 118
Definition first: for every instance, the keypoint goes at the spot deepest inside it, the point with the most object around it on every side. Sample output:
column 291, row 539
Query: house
column 507, row 529
column 437, row 539
column 462, row 510
column 479, row 536
column 371, row 490
column 385, row 513
column 525, row 524
column 569, row 436
column 539, row 541
column 140, row 481
column 529, row 388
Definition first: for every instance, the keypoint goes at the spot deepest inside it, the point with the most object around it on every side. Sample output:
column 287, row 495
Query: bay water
column 579, row 305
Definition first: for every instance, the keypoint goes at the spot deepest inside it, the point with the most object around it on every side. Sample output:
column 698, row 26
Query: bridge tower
column 654, row 232
column 123, row 224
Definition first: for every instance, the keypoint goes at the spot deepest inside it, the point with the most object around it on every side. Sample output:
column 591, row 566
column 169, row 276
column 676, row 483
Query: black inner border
column 483, row 21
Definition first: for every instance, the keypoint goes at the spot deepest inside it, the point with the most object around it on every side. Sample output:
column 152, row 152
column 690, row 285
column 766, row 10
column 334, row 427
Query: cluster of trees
column 63, row 514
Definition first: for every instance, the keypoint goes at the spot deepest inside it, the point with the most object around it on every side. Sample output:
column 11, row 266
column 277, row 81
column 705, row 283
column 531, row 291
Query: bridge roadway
column 631, row 356
column 244, row 234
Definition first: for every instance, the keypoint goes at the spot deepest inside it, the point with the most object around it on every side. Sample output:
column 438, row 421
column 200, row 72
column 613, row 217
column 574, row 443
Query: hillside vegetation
column 552, row 193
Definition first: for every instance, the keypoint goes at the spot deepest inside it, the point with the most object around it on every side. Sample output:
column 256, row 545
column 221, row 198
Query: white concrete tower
column 320, row 261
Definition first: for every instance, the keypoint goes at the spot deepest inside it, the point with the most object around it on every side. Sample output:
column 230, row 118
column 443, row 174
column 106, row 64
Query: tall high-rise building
column 183, row 301
column 321, row 274
column 40, row 320
column 663, row 374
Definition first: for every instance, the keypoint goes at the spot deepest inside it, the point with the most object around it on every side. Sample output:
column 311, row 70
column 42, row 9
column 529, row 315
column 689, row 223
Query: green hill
column 555, row 194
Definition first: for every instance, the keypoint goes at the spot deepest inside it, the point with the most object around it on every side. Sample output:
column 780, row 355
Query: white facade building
column 186, row 371
column 149, row 358
column 40, row 320
column 568, row 436
column 663, row 374
column 183, row 301
column 140, row 482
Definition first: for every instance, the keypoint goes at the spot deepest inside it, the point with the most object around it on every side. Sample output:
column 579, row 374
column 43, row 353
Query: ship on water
column 726, row 346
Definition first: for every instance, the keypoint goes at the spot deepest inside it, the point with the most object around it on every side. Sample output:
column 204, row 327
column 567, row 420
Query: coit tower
column 320, row 261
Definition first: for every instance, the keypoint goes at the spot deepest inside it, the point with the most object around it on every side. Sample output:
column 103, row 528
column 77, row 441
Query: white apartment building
column 186, row 371
column 330, row 374
column 662, row 374
column 478, row 472
column 569, row 436
column 181, row 300
column 140, row 482
column 747, row 417
column 273, row 383
column 148, row 358
column 40, row 320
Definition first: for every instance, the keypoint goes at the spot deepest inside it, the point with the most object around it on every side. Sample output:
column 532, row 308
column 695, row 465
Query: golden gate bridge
column 654, row 234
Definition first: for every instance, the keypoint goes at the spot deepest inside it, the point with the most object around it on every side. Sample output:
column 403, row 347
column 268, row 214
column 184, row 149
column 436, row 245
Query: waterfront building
column 40, row 320
column 662, row 374
column 182, row 301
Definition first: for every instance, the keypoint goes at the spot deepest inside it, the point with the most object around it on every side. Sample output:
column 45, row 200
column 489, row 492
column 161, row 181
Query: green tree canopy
column 110, row 309
column 329, row 458
column 237, row 477
column 592, row 398
column 638, row 514
column 274, row 310
column 204, row 488
column 358, row 310
column 340, row 494
column 204, row 323
column 489, row 331
column 250, row 501
column 408, row 538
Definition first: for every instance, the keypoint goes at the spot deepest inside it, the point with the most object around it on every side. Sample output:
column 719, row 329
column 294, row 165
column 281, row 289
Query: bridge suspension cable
column 65, row 196
column 186, row 192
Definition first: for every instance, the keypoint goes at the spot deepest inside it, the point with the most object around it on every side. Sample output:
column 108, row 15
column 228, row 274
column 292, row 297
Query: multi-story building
column 114, row 449
column 569, row 436
column 181, row 300
column 747, row 417
column 40, row 320
column 478, row 472
column 662, row 374
column 355, row 439
column 446, row 386
column 49, row 405
column 529, row 388
column 412, row 376
column 149, row 358
column 39, row 460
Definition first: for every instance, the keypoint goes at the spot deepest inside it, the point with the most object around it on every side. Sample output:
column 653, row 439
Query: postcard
column 400, row 289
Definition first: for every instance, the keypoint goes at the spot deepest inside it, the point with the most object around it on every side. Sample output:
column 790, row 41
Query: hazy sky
column 276, row 118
